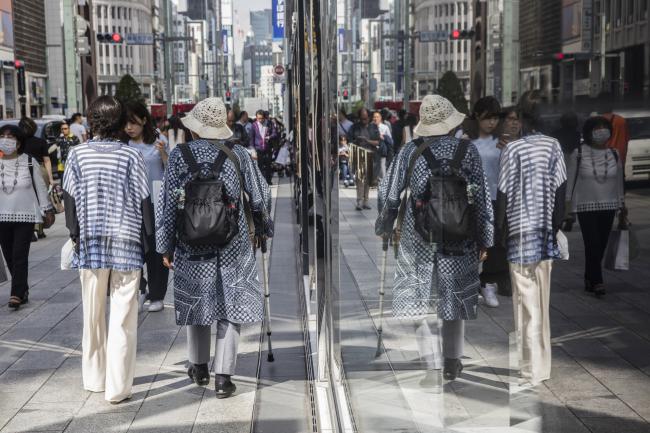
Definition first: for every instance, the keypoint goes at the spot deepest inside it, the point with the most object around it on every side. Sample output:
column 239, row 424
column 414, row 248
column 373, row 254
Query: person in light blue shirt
column 144, row 137
column 482, row 130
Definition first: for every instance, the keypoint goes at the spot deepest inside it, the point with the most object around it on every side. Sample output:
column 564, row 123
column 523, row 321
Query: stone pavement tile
column 633, row 391
column 615, row 424
column 574, row 383
column 118, row 422
column 600, row 406
column 14, row 400
column 60, row 389
column 172, row 408
column 610, row 368
column 42, row 417
column 25, row 380
column 229, row 415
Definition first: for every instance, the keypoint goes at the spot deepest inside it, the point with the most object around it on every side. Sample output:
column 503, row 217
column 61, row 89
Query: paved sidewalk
column 40, row 368
column 601, row 349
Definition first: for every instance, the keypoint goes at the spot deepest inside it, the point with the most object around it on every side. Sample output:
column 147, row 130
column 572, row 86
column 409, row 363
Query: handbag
column 67, row 254
column 617, row 254
column 55, row 193
column 563, row 245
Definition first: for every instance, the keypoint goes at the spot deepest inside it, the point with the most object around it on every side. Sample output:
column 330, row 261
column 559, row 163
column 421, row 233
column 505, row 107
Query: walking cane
column 382, row 284
column 267, row 302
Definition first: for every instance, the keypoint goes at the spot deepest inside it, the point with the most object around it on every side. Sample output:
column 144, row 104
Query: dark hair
column 106, row 118
column 16, row 132
column 342, row 111
column 28, row 126
column 260, row 112
column 593, row 123
column 605, row 102
column 74, row 117
column 137, row 112
column 241, row 114
column 486, row 107
column 529, row 111
column 361, row 110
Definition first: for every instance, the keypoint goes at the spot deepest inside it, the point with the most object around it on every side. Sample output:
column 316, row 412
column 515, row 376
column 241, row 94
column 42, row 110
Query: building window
column 618, row 12
column 630, row 11
column 113, row 12
column 119, row 9
column 643, row 10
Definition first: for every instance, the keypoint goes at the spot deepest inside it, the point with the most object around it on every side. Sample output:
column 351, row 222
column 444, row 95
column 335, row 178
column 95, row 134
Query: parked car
column 637, row 164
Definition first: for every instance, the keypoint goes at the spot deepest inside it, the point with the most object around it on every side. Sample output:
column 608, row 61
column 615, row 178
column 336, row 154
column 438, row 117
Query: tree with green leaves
column 128, row 90
column 449, row 86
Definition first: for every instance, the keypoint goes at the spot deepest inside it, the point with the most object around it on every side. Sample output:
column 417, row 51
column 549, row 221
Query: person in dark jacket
column 365, row 135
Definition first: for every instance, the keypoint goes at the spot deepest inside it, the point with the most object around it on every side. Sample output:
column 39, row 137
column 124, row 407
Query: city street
column 40, row 363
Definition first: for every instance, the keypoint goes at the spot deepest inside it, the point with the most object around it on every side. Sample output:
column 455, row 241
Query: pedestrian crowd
column 191, row 198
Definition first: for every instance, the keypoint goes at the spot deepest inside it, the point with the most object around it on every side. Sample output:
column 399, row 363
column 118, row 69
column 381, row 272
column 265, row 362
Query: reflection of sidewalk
column 601, row 349
column 40, row 369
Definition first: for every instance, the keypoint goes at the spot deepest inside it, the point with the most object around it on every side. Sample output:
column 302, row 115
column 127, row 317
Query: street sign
column 139, row 39
column 278, row 70
column 436, row 36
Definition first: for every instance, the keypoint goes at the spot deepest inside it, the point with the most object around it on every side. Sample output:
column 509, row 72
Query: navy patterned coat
column 221, row 283
column 426, row 280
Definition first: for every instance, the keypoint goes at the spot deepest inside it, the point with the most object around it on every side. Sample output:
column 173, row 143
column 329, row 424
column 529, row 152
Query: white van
column 637, row 165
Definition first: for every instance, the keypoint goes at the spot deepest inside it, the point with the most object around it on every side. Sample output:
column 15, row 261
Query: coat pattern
column 212, row 283
column 426, row 279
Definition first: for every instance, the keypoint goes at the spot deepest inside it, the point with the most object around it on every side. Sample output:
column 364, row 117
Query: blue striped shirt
column 108, row 181
column 532, row 169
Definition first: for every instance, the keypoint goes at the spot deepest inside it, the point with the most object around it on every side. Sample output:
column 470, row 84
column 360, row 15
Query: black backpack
column 209, row 216
column 444, row 213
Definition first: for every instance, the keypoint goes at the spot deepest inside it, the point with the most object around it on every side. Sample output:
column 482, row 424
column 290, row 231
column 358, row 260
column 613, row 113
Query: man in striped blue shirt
column 107, row 205
column 530, row 197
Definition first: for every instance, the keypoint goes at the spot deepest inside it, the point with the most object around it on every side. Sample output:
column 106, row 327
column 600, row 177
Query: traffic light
column 558, row 56
column 20, row 77
column 109, row 38
column 457, row 34
column 228, row 96
column 346, row 95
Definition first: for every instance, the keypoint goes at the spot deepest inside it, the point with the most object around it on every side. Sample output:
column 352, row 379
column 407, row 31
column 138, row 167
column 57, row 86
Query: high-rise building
column 30, row 48
column 8, row 101
column 502, row 50
column 256, row 56
column 540, row 37
column 261, row 25
column 117, row 60
column 433, row 59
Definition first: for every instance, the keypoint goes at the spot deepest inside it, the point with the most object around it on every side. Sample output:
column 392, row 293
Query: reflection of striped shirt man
column 532, row 169
column 108, row 181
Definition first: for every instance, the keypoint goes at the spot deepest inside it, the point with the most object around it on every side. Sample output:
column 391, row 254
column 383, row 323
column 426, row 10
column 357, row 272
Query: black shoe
column 41, row 235
column 599, row 290
column 359, row 208
column 452, row 369
column 223, row 386
column 34, row 237
column 199, row 373
column 588, row 286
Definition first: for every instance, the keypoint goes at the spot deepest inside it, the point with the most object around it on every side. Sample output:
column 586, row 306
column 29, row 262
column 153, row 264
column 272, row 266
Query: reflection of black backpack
column 444, row 213
column 209, row 216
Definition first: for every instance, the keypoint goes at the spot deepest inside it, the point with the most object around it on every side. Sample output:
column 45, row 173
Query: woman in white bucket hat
column 436, row 281
column 212, row 283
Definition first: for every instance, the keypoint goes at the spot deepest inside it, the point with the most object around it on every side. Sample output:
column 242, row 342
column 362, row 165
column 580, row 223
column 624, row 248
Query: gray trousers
column 428, row 341
column 226, row 344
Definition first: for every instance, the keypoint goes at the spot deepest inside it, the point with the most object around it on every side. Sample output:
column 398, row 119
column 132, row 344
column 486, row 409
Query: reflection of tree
column 449, row 86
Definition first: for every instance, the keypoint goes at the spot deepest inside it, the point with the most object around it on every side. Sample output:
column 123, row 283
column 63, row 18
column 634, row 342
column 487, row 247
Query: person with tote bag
column 595, row 190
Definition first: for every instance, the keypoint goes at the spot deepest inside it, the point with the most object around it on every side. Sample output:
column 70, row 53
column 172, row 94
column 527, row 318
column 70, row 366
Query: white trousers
column 531, row 287
column 108, row 359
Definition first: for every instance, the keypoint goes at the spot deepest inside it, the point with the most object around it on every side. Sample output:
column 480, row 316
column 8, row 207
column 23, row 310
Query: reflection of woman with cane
column 436, row 278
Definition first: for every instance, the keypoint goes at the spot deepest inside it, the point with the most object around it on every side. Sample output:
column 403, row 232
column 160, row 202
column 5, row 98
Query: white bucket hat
column 208, row 120
column 437, row 117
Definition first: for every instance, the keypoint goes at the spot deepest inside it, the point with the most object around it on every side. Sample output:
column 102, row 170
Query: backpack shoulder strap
column 459, row 155
column 189, row 159
column 575, row 179
column 431, row 160
column 422, row 145
column 615, row 153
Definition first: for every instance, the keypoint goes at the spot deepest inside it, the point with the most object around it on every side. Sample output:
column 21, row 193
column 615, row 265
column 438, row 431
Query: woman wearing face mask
column 595, row 190
column 23, row 203
column 144, row 137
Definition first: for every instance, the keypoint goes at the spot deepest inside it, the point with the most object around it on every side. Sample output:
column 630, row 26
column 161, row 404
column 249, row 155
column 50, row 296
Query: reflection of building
column 502, row 50
column 8, row 76
column 540, row 41
column 433, row 59
column 261, row 25
column 620, row 63
column 30, row 48
column 116, row 60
